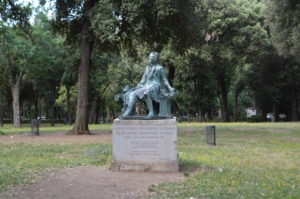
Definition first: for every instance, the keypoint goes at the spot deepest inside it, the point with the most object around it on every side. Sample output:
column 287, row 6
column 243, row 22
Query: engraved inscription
column 144, row 143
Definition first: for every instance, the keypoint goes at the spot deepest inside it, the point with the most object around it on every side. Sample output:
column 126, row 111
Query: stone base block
column 145, row 167
column 145, row 145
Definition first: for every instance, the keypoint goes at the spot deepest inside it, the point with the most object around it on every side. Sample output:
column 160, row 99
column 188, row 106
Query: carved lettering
column 145, row 143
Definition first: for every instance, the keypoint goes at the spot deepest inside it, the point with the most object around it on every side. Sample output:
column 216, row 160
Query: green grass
column 251, row 160
column 8, row 129
column 22, row 163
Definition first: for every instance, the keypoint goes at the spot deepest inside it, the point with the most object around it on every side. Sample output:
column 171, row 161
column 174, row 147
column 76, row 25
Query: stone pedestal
column 145, row 145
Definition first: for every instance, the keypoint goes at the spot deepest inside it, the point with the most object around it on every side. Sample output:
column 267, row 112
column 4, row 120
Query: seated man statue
column 153, row 86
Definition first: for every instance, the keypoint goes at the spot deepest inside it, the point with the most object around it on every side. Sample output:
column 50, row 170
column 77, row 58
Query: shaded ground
column 92, row 183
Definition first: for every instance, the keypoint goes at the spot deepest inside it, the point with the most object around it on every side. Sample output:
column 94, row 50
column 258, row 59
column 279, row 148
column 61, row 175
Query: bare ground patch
column 92, row 183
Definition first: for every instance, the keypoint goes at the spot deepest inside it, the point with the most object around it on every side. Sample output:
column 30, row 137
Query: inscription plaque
column 148, row 145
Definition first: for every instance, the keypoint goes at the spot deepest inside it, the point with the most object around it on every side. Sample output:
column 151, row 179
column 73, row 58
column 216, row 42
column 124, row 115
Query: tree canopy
column 224, row 56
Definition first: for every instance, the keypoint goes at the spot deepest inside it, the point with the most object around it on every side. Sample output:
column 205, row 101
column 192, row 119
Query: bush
column 256, row 118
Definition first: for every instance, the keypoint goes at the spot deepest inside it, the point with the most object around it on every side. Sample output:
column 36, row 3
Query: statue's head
column 154, row 57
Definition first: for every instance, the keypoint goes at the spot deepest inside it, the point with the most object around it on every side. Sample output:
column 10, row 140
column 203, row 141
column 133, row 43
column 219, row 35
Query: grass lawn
column 47, row 128
column 251, row 160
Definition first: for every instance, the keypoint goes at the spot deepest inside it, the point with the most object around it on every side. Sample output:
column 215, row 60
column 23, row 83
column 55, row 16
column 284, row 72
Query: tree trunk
column 202, row 113
column 274, row 119
column 235, row 111
column 81, row 122
column 69, row 106
column 52, row 115
column 40, row 110
column 171, row 75
column 199, row 114
column 36, row 104
column 263, row 116
column 97, row 110
column 188, row 113
column 294, row 106
column 107, row 115
column 1, row 109
column 91, row 113
column 223, row 98
column 52, row 109
column 103, row 111
column 113, row 114
column 15, row 91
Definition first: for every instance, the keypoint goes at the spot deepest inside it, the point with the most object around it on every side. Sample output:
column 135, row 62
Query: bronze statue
column 154, row 86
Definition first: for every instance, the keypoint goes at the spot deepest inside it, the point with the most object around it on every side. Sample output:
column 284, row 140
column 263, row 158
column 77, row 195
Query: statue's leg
column 149, row 106
column 131, row 104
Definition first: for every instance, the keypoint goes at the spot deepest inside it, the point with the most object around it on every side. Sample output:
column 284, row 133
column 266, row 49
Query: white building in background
column 251, row 112
column 270, row 117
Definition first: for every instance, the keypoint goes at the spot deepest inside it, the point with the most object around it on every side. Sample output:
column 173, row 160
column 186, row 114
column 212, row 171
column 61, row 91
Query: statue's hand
column 118, row 97
column 172, row 89
column 172, row 92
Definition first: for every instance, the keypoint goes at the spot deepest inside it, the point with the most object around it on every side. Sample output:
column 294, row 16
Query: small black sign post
column 35, row 127
column 210, row 135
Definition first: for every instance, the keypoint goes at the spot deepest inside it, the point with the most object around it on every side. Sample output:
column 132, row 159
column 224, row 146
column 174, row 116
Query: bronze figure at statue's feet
column 154, row 87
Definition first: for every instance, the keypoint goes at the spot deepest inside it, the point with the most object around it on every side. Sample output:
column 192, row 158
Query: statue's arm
column 143, row 80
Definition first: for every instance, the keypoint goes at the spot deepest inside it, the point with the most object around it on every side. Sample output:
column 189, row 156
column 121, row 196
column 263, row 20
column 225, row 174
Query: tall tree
column 15, row 30
column 47, row 63
column 70, row 77
column 283, row 19
column 196, row 81
column 81, row 122
column 73, row 18
column 234, row 34
column 18, row 51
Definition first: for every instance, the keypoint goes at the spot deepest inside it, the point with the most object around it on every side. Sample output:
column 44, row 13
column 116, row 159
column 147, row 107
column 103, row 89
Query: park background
column 65, row 60
column 231, row 60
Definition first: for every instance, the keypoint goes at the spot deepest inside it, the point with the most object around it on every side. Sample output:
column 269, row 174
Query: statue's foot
column 124, row 115
column 150, row 115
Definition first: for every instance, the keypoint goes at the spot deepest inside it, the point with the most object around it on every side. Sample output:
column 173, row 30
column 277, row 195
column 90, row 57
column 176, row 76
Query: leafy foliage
column 220, row 54
column 284, row 23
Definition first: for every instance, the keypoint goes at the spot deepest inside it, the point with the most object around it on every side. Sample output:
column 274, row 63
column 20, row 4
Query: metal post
column 210, row 135
column 35, row 127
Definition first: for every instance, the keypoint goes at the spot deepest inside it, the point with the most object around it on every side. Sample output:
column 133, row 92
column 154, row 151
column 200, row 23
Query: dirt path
column 92, row 183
